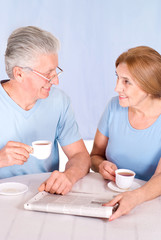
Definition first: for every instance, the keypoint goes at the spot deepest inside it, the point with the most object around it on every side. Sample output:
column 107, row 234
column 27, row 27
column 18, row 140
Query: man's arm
column 14, row 153
column 79, row 161
column 77, row 167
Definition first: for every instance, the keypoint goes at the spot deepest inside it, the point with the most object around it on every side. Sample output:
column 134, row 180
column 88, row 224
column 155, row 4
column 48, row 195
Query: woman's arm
column 128, row 200
column 98, row 151
column 98, row 159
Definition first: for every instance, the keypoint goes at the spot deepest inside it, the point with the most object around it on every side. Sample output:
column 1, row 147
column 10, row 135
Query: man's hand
column 14, row 153
column 58, row 182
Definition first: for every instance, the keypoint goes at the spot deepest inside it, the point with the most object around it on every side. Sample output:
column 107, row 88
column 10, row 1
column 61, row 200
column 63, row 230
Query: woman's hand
column 58, row 182
column 107, row 170
column 98, row 158
column 14, row 153
column 126, row 201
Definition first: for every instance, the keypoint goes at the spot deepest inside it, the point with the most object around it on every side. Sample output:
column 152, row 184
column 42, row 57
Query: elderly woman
column 129, row 132
column 32, row 110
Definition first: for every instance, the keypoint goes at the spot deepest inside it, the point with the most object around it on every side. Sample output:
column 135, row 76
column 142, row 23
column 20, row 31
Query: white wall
column 92, row 33
column 63, row 158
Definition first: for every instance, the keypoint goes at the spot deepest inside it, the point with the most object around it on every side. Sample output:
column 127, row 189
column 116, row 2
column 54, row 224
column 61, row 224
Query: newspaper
column 74, row 203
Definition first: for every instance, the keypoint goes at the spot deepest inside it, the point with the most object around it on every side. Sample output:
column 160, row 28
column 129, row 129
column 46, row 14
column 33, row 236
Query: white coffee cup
column 41, row 149
column 124, row 178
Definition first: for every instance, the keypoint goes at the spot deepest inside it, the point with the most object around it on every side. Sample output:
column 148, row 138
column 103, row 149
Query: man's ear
column 18, row 74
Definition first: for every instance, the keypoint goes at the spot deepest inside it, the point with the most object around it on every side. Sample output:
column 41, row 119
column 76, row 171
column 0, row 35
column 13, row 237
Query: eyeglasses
column 58, row 72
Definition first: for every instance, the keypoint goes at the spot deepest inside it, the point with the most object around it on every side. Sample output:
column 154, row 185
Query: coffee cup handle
column 32, row 153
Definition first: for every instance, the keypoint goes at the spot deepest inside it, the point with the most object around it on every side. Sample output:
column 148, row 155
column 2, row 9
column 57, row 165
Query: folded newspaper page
column 74, row 203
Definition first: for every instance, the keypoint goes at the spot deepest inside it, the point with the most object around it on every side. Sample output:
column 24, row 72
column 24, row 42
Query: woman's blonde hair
column 144, row 64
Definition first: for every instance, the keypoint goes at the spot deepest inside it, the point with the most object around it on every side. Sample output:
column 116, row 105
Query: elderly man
column 32, row 110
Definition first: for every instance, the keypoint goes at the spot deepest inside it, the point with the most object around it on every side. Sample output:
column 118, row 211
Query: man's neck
column 18, row 95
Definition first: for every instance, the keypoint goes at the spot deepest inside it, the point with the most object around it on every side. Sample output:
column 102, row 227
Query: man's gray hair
column 25, row 44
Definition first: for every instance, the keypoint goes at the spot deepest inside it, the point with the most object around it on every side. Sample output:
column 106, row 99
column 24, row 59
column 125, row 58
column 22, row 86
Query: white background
column 93, row 33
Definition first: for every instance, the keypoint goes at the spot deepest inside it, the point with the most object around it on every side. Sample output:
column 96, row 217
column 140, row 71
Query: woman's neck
column 150, row 109
column 141, row 118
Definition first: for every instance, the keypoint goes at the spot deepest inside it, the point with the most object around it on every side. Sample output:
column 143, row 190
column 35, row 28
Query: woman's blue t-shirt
column 138, row 150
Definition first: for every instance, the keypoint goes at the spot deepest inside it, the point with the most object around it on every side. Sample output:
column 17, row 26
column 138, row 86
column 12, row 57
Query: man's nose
column 55, row 80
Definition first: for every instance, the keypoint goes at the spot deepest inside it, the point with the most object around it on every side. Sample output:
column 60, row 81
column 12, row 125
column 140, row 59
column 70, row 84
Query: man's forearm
column 78, row 166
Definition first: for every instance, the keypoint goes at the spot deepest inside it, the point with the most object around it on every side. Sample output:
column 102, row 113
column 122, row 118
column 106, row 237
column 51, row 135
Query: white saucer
column 112, row 186
column 12, row 188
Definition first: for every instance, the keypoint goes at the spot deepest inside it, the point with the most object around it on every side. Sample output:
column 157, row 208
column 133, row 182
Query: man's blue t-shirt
column 138, row 150
column 50, row 119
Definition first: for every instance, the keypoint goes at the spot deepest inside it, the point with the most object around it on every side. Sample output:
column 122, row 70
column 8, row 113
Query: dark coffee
column 126, row 174
column 41, row 143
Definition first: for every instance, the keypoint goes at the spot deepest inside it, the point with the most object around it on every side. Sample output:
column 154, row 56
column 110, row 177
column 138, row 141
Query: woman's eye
column 127, row 82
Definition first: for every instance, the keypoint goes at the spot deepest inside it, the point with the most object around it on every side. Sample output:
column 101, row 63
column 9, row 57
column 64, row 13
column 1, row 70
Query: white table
column 143, row 223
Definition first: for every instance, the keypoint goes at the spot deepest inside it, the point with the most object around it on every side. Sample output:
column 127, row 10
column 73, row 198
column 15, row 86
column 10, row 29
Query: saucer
column 12, row 188
column 112, row 186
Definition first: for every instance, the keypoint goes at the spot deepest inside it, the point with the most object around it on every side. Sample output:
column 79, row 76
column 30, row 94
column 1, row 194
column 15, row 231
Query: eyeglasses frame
column 41, row 75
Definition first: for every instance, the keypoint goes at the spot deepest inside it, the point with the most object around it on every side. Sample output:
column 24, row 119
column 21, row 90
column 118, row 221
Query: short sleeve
column 67, row 130
column 103, row 125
